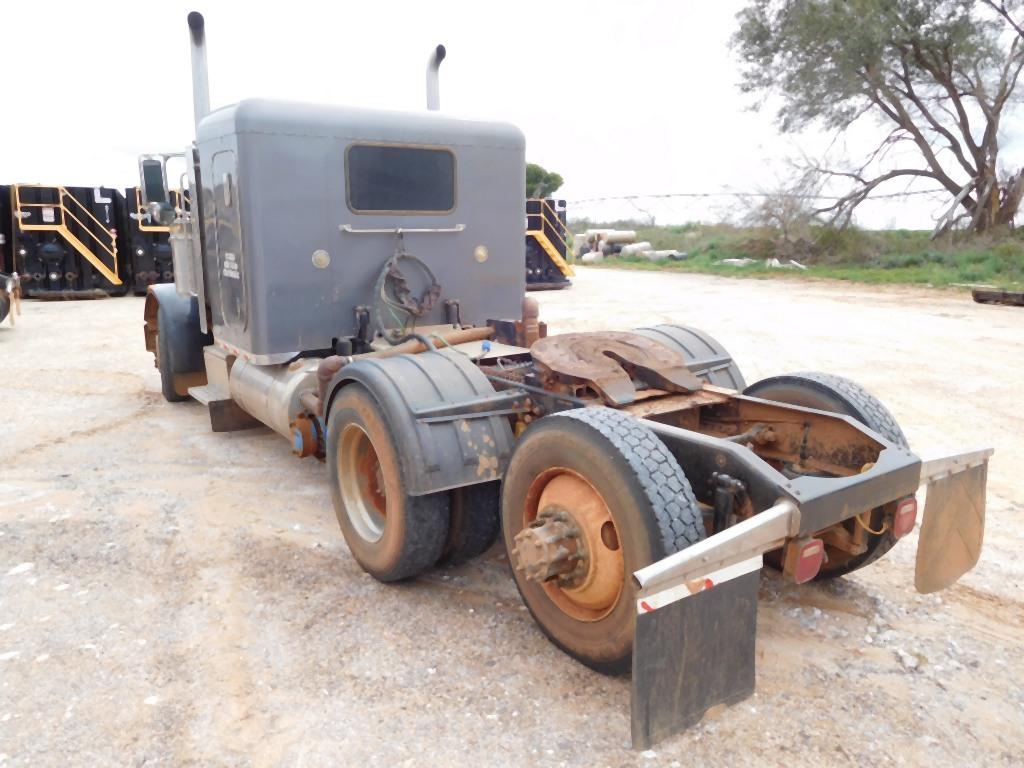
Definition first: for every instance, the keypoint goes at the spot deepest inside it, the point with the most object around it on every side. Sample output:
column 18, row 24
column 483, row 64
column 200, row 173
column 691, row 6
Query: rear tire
column 474, row 523
column 391, row 534
column 606, row 458
column 835, row 394
column 693, row 344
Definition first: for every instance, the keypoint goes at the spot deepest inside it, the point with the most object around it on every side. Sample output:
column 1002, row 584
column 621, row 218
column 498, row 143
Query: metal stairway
column 63, row 214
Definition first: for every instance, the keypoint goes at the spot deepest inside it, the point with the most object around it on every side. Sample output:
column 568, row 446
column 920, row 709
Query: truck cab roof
column 266, row 116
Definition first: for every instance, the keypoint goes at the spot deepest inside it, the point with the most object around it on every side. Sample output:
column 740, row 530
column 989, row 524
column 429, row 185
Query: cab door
column 227, row 231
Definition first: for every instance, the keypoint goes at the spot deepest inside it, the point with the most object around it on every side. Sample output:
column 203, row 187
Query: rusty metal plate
column 609, row 361
column 952, row 530
column 674, row 403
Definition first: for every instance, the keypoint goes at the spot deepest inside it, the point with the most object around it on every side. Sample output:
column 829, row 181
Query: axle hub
column 550, row 547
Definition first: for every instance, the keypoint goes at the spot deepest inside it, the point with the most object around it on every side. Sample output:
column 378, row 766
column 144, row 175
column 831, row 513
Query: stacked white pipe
column 596, row 245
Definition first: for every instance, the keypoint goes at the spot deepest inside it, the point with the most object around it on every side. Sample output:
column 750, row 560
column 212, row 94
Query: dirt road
column 169, row 596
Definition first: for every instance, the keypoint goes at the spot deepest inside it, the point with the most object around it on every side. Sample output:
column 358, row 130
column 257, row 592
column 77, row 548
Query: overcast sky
column 620, row 98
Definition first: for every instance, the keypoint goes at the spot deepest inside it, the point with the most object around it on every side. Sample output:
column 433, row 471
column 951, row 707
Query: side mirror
column 153, row 175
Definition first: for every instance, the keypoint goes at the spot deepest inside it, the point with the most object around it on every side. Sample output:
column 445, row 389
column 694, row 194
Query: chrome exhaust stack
column 200, row 73
column 433, row 82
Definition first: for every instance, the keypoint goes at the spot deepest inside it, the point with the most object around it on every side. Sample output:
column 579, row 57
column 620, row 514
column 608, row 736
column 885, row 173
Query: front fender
column 185, row 339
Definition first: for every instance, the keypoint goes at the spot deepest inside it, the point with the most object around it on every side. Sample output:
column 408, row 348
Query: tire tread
column 425, row 528
column 676, row 510
column 869, row 410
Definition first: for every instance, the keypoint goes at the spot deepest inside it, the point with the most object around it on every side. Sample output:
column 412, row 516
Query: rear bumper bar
column 743, row 541
column 694, row 646
column 955, row 486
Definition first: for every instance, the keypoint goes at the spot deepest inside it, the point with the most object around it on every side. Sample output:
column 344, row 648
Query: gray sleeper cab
column 305, row 202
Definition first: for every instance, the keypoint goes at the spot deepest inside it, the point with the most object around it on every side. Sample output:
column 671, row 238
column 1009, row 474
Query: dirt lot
column 169, row 596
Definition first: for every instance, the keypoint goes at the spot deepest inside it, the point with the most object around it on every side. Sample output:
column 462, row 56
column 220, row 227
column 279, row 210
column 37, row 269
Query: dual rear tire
column 391, row 533
column 624, row 492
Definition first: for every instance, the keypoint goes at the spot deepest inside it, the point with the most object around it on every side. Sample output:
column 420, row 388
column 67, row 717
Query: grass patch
column 890, row 256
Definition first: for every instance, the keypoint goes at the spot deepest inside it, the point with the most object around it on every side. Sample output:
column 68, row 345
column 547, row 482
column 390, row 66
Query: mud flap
column 949, row 544
column 693, row 649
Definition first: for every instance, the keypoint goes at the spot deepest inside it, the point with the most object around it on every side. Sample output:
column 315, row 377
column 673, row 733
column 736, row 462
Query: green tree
column 540, row 182
column 938, row 74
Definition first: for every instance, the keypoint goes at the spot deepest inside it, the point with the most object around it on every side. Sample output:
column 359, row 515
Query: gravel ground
column 169, row 596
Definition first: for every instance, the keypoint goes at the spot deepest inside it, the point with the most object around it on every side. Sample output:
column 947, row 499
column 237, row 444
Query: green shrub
column 1010, row 250
column 874, row 256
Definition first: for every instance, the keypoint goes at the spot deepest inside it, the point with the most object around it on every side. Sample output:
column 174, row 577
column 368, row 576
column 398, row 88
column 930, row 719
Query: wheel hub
column 570, row 545
column 550, row 547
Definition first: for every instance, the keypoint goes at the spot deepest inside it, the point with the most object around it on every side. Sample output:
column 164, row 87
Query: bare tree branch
column 842, row 209
column 1003, row 11
column 912, row 96
column 904, row 119
column 950, row 217
column 944, row 77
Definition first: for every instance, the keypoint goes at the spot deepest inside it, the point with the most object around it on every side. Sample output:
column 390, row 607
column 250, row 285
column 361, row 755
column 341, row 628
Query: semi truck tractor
column 353, row 280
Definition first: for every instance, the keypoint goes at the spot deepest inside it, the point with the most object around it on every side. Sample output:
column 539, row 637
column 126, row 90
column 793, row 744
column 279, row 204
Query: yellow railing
column 561, row 231
column 89, row 249
column 547, row 213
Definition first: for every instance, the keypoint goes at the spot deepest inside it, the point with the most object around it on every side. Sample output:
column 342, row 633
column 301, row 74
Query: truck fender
column 185, row 340
column 707, row 358
column 434, row 454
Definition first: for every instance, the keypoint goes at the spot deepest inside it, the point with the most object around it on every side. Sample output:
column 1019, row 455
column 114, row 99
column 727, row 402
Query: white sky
column 620, row 98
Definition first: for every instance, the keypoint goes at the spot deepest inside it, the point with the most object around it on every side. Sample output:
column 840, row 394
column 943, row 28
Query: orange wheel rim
column 361, row 483
column 594, row 591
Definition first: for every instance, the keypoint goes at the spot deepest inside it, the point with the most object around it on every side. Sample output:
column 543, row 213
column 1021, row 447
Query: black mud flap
column 693, row 650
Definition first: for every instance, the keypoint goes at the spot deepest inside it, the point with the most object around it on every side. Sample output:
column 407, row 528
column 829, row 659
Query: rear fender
column 434, row 454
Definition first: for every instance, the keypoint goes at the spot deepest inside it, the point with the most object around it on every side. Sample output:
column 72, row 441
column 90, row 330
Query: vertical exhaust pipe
column 200, row 75
column 433, row 83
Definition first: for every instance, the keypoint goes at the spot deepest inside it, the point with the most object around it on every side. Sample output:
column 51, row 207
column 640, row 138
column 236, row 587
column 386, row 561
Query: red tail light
column 905, row 517
column 803, row 559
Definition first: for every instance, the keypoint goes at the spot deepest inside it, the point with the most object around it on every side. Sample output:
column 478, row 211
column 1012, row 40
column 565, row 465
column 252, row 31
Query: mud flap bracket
column 693, row 650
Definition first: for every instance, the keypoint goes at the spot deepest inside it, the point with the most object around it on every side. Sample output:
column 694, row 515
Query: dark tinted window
column 400, row 179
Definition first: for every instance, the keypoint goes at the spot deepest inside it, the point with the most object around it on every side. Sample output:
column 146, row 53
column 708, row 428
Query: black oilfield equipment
column 146, row 243
column 64, row 240
column 70, row 242
column 6, row 260
column 548, row 245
